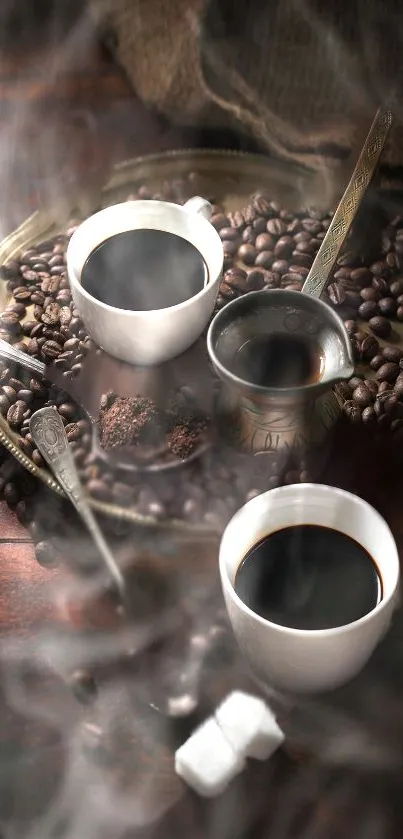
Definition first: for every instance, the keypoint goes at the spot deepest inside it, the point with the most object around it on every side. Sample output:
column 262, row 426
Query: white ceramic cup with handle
column 158, row 335
column 296, row 660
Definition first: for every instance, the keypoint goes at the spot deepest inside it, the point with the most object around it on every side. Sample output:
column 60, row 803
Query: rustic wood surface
column 105, row 769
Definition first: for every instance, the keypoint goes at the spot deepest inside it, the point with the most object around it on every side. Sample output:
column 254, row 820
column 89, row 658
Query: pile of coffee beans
column 265, row 247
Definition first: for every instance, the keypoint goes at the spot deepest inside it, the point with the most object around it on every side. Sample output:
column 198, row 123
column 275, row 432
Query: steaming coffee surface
column 143, row 270
column 309, row 577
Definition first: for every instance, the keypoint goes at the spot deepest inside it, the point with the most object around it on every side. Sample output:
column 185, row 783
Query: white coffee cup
column 298, row 660
column 147, row 337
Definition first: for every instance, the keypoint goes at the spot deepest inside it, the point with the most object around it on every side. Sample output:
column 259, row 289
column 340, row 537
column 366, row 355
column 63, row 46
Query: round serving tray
column 225, row 177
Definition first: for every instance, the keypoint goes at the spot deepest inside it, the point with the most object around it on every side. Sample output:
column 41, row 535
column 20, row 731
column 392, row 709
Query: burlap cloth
column 302, row 77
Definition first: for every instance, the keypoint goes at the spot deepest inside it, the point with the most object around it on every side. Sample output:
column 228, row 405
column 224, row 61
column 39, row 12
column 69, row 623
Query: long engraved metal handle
column 49, row 436
column 329, row 250
column 9, row 352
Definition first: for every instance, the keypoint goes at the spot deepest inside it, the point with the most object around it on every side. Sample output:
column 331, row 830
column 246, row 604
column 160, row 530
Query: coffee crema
column 143, row 270
column 279, row 360
column 309, row 577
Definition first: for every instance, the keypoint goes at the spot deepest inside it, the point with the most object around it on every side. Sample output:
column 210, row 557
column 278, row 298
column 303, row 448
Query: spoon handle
column 48, row 433
column 329, row 250
column 9, row 352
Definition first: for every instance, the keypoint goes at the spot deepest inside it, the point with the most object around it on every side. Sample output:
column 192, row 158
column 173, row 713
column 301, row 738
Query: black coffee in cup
column 309, row 577
column 143, row 270
column 279, row 360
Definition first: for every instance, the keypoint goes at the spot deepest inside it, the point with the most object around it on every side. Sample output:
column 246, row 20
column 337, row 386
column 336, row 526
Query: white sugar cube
column 249, row 725
column 206, row 761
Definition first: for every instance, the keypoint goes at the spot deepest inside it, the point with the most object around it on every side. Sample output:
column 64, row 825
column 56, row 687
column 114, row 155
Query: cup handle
column 199, row 206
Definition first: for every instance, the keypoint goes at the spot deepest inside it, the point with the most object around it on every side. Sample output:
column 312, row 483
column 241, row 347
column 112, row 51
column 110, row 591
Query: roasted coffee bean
column 361, row 277
column 51, row 349
column 280, row 266
column 18, row 308
column 311, row 226
column 229, row 248
column 369, row 294
column 388, row 372
column 228, row 292
column 63, row 296
column 336, row 294
column 390, row 403
column 15, row 383
column 343, row 390
column 38, row 312
column 264, row 259
column 234, row 277
column 372, row 386
column 33, row 347
column 392, row 354
column 37, row 330
column 10, row 393
column 247, row 253
column 276, row 227
column 15, row 413
column 362, row 396
column 67, row 410
column 398, row 385
column 305, row 260
column 352, row 411
column 64, row 316
column 368, row 415
column 284, row 247
column 380, row 326
column 11, row 323
column 379, row 269
column 293, row 279
column 71, row 344
column 25, row 445
column 255, row 280
column 58, row 270
column 229, row 233
column 37, row 298
column 391, row 260
column 37, row 388
column 22, row 294
column 265, row 242
column 387, row 306
column 369, row 347
column 249, row 235
column 259, row 226
column 9, row 270
column 25, row 395
column 396, row 288
column 51, row 314
column 380, row 286
column 28, row 326
column 4, row 404
column 218, row 220
column 262, row 205
column 73, row 432
column 399, row 313
column 368, row 310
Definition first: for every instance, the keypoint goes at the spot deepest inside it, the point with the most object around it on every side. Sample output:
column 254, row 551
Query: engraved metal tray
column 225, row 177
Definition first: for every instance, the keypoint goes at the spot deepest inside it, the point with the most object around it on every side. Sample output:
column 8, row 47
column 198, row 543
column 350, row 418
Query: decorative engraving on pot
column 254, row 427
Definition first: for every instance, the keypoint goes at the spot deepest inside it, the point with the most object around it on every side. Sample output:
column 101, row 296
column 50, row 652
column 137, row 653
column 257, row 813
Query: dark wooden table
column 105, row 768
